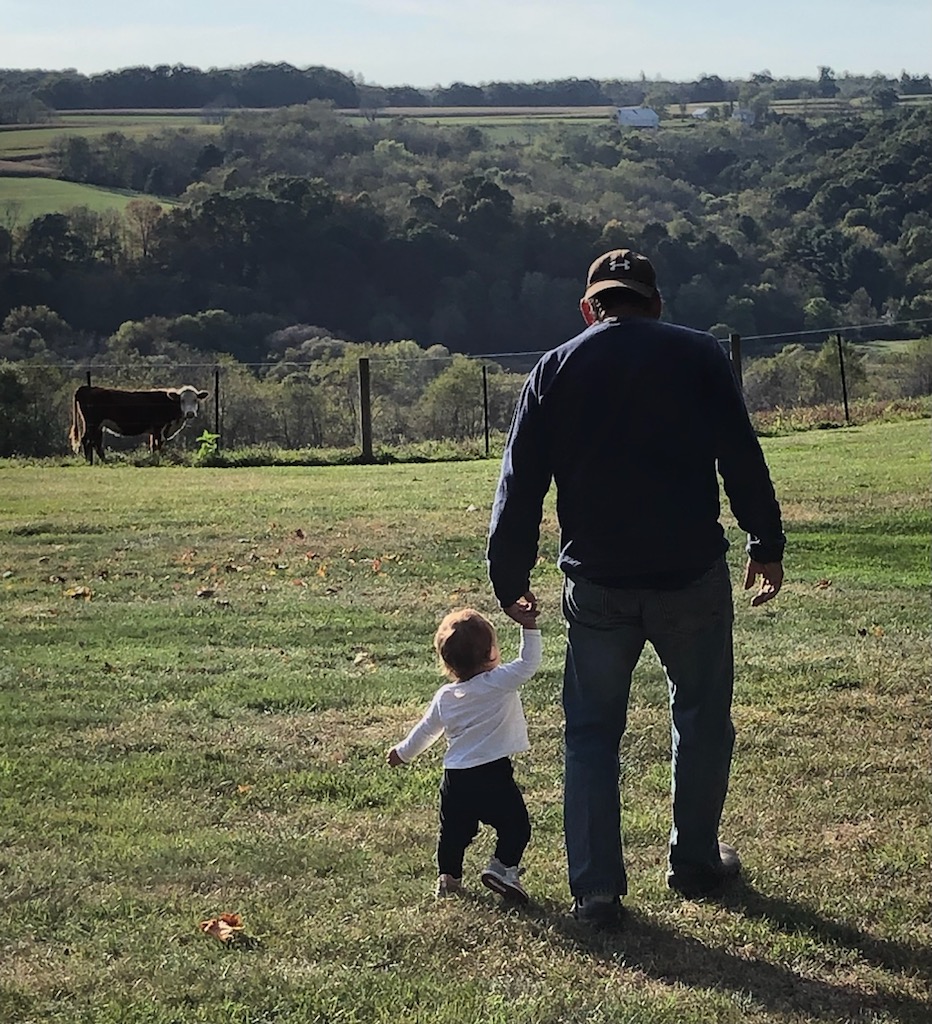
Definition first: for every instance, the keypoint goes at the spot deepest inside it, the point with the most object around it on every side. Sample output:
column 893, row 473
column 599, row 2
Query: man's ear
column 585, row 307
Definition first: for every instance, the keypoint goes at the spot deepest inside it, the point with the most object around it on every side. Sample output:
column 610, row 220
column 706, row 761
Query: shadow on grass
column 663, row 953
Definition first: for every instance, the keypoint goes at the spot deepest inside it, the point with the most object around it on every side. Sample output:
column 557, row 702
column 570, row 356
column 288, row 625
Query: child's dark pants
column 489, row 794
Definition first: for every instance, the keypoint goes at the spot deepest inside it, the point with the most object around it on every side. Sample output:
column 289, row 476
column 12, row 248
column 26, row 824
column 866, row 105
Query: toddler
column 479, row 713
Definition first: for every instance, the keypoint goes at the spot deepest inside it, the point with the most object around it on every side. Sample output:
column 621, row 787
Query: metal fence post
column 88, row 378
column 485, row 405
column 734, row 351
column 365, row 410
column 844, row 382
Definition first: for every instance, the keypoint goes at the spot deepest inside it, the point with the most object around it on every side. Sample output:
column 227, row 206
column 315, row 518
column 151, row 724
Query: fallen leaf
column 7, row 574
column 322, row 571
column 244, row 787
column 472, row 508
column 877, row 630
column 822, row 584
column 76, row 592
column 376, row 564
column 223, row 927
column 309, row 555
column 56, row 579
column 205, row 592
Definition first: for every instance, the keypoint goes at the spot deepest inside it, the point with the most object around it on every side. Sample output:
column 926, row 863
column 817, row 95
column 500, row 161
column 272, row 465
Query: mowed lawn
column 201, row 671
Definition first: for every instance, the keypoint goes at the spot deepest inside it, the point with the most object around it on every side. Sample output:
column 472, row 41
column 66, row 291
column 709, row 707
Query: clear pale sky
column 436, row 42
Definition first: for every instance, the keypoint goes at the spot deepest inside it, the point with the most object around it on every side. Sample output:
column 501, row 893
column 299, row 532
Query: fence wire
column 317, row 405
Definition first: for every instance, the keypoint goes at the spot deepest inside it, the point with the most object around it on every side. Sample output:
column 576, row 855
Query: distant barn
column 637, row 117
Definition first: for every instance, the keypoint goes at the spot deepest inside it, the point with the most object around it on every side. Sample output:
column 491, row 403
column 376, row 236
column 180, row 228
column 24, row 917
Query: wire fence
column 377, row 403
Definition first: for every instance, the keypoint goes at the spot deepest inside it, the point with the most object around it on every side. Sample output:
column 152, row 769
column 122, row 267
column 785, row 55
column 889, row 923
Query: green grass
column 35, row 197
column 166, row 757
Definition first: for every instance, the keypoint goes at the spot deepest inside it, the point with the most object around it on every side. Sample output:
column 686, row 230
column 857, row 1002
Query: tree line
column 306, row 393
column 27, row 96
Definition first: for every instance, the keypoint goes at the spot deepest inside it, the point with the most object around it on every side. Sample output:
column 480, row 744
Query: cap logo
column 615, row 263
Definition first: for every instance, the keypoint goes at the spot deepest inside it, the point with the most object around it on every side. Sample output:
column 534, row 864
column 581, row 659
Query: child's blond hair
column 464, row 642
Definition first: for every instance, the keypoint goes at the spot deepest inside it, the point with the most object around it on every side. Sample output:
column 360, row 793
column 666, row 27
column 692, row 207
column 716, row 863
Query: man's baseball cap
column 622, row 268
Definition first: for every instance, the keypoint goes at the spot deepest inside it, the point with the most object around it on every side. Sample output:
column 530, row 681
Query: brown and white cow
column 160, row 413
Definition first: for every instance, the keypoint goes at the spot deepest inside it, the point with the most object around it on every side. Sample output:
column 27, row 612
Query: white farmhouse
column 637, row 117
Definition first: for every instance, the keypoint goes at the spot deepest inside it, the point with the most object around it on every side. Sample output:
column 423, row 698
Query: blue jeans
column 690, row 630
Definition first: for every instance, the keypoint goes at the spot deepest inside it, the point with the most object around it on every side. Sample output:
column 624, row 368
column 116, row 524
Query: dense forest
column 403, row 230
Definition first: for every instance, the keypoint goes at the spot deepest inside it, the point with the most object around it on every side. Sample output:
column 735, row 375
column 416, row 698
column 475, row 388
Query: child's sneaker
column 504, row 881
column 447, row 885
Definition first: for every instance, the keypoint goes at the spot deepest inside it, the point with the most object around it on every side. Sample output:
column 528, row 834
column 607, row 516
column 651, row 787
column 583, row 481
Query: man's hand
column 393, row 759
column 524, row 611
column 771, row 579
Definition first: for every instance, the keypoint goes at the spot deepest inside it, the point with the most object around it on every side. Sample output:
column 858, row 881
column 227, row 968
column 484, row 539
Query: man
column 630, row 419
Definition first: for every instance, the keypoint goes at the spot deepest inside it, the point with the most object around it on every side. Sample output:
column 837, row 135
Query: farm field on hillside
column 36, row 140
column 34, row 197
column 200, row 674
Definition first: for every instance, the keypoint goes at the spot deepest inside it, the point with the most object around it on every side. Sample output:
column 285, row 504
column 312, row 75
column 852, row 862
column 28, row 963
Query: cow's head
column 189, row 398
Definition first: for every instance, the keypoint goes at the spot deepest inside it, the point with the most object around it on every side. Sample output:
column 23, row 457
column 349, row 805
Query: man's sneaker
column 504, row 881
column 701, row 880
column 598, row 910
column 447, row 885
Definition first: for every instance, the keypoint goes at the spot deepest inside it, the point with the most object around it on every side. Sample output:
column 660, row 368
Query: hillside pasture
column 202, row 670
column 24, row 198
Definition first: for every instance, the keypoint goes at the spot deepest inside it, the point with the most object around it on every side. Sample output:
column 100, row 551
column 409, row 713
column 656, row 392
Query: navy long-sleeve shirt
column 631, row 419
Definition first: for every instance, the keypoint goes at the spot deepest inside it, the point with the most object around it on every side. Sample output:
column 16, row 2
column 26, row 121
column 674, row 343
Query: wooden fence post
column 365, row 410
column 734, row 351
column 217, row 404
column 485, row 405
column 844, row 382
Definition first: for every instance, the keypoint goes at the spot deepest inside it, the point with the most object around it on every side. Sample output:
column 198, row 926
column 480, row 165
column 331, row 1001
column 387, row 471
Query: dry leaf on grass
column 84, row 592
column 225, row 927
column 205, row 592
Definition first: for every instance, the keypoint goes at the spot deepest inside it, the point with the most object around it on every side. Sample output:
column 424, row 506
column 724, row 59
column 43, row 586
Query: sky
column 425, row 43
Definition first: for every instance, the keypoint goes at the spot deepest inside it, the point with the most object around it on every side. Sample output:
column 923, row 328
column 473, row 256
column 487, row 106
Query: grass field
column 28, row 198
column 35, row 140
column 202, row 670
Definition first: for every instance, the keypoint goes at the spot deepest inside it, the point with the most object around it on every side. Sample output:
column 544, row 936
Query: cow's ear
column 202, row 396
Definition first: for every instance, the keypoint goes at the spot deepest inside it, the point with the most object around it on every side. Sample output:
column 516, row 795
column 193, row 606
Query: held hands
column 393, row 759
column 524, row 611
column 771, row 576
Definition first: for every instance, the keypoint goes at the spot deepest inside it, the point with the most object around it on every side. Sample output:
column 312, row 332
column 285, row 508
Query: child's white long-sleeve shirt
column 481, row 718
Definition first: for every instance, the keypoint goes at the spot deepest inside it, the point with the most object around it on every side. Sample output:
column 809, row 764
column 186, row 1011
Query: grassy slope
column 34, row 197
column 167, row 756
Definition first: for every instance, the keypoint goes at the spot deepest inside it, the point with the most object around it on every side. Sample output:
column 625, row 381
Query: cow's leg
column 87, row 444
column 99, row 444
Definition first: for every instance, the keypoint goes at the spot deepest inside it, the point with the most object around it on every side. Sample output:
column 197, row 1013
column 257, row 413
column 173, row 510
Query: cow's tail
column 77, row 426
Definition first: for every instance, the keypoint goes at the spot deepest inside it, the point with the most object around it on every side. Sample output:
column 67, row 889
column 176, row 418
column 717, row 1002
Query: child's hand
column 524, row 611
column 393, row 759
